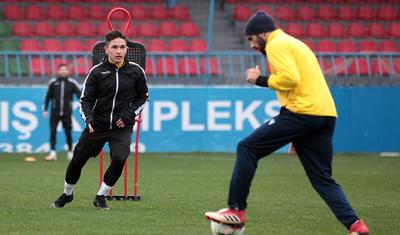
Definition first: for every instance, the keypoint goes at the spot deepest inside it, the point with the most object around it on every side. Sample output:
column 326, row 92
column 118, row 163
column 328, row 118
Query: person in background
column 60, row 92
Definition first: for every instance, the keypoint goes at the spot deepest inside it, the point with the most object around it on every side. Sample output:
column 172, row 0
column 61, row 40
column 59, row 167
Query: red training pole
column 126, row 179
column 135, row 176
column 101, row 167
column 110, row 193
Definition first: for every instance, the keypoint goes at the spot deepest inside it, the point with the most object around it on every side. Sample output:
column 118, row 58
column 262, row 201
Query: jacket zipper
column 115, row 97
column 62, row 99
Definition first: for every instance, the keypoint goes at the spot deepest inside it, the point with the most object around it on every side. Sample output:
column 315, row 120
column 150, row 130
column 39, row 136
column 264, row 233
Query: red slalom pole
column 101, row 167
column 135, row 176
column 126, row 179
column 111, row 192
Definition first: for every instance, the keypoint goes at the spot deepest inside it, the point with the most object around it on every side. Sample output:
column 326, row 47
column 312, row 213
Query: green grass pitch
column 178, row 188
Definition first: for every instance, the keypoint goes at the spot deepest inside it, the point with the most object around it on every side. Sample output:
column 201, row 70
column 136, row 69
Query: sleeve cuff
column 262, row 81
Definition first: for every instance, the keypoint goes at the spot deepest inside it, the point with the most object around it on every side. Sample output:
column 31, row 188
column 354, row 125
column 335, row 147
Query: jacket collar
column 105, row 61
column 274, row 34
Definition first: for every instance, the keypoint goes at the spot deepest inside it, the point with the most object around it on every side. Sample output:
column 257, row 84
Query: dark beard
column 62, row 77
column 261, row 43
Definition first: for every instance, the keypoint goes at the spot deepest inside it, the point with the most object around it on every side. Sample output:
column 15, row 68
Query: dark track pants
column 67, row 125
column 90, row 145
column 312, row 139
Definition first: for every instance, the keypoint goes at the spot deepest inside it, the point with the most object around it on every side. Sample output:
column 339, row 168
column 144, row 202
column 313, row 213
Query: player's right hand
column 45, row 114
column 91, row 130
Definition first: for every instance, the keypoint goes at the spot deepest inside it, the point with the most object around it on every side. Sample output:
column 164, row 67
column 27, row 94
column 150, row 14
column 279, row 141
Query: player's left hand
column 120, row 123
column 252, row 74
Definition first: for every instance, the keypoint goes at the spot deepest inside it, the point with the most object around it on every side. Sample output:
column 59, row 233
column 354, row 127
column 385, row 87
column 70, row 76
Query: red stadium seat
column 368, row 46
column 189, row 29
column 357, row 30
column 242, row 13
column 159, row 12
column 377, row 30
column 22, row 29
column 76, row 12
column 96, row 12
column 14, row 12
column 397, row 65
column 180, row 12
column 346, row 12
column 178, row 45
column 168, row 29
column 40, row 66
column 389, row 46
column 327, row 46
column 140, row 12
column 89, row 43
column 44, row 29
column 381, row 67
column 327, row 12
column 359, row 67
column 306, row 12
column 394, row 30
column 166, row 65
column 211, row 67
column 102, row 28
column 56, row 12
column 188, row 66
column 83, row 66
column 149, row 67
column 65, row 29
column 295, row 29
column 366, row 12
column 387, row 12
column 52, row 45
column 316, row 30
column 156, row 45
column 74, row 45
column 347, row 46
column 86, row 29
column 310, row 44
column 31, row 45
column 285, row 13
column 198, row 45
column 339, row 66
column 72, row 1
column 36, row 12
column 337, row 30
column 148, row 29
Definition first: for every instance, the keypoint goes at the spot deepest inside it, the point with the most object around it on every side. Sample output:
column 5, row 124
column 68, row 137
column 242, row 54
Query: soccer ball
column 225, row 229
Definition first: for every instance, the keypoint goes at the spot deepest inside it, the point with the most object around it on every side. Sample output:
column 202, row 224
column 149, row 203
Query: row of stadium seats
column 342, row 30
column 195, row 45
column 190, row 29
column 361, row 66
column 315, row 1
column 321, row 12
column 353, row 46
column 94, row 12
column 162, row 66
column 85, row 1
column 89, row 29
column 338, row 66
column 198, row 45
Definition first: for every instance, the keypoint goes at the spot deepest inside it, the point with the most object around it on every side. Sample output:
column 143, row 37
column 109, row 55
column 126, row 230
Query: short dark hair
column 62, row 65
column 113, row 35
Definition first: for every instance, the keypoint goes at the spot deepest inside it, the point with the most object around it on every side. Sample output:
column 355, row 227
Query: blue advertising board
column 207, row 119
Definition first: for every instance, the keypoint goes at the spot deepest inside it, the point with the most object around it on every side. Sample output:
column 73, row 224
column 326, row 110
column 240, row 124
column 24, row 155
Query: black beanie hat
column 260, row 22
